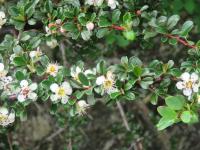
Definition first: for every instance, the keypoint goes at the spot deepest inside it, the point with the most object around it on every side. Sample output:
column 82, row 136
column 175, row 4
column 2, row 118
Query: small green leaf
column 19, row 61
column 187, row 26
column 19, row 75
column 172, row 21
column 114, row 95
column 129, row 35
column 175, row 102
column 164, row 123
column 186, row 116
column 83, row 79
column 167, row 112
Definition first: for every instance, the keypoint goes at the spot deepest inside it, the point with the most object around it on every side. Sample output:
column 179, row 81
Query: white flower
column 27, row 91
column 52, row 43
column 6, row 117
column 189, row 84
column 82, row 107
column 94, row 2
column 112, row 3
column 108, row 82
column 75, row 72
column 2, row 18
column 61, row 92
column 35, row 54
column 52, row 69
column 90, row 26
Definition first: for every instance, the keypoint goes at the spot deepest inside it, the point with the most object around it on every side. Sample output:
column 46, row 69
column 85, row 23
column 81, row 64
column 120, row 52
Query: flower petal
column 32, row 54
column 194, row 77
column 54, row 87
column 54, row 98
column 1, row 66
column 24, row 83
column 33, row 86
column 195, row 87
column 32, row 96
column 180, row 85
column 78, row 70
column 21, row 98
column 3, row 111
column 100, row 80
column 185, row 76
column 187, row 92
column 64, row 100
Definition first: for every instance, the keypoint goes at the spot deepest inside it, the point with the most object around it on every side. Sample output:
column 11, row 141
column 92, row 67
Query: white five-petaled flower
column 61, row 92
column 108, row 82
column 112, row 3
column 2, row 18
column 82, row 107
column 6, row 117
column 90, row 26
column 94, row 2
column 35, row 54
column 52, row 69
column 189, row 84
column 27, row 91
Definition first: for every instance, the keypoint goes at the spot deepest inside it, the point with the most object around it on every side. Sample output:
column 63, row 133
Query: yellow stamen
column 189, row 84
column 61, row 91
column 108, row 84
column 3, row 118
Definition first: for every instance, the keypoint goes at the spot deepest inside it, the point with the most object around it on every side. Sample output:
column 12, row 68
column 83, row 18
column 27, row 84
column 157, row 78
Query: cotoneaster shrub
column 27, row 73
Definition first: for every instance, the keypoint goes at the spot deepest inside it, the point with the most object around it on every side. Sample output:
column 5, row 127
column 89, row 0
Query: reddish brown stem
column 119, row 28
column 182, row 41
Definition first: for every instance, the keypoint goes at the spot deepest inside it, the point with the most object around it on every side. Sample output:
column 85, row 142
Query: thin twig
column 70, row 144
column 119, row 106
column 9, row 141
column 50, row 137
column 182, row 41
column 62, row 49
column 53, row 135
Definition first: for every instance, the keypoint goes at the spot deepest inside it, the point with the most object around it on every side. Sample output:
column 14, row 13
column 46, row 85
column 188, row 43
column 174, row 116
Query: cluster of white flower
column 189, row 84
column 60, row 92
column 26, row 91
column 6, row 117
column 111, row 3
column 107, row 82
column 2, row 19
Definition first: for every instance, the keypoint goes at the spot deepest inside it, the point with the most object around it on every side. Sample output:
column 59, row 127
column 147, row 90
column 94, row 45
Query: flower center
column 189, row 84
column 108, row 84
column 61, row 91
column 3, row 118
column 25, row 91
column 52, row 69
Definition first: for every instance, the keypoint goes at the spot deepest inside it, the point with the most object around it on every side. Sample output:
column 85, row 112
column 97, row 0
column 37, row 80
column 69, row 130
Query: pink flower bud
column 90, row 26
